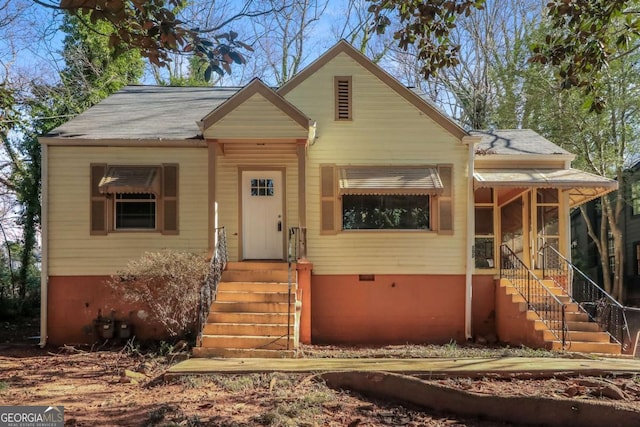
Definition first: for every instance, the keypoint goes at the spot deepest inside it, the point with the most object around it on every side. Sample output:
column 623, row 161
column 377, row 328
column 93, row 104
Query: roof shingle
column 146, row 113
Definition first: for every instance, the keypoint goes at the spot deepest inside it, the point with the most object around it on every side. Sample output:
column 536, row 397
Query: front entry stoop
column 251, row 313
column 582, row 335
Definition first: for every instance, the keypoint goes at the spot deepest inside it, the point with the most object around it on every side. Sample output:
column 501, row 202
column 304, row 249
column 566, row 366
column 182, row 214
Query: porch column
column 302, row 196
column 303, row 266
column 302, row 184
column 212, row 211
column 471, row 142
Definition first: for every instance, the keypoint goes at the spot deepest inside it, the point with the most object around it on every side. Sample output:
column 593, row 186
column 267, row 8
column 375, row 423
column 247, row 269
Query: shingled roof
column 516, row 142
column 146, row 113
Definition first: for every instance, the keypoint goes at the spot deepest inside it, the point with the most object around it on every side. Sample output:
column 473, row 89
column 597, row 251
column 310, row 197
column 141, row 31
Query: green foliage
column 584, row 38
column 605, row 143
column 196, row 76
column 168, row 284
column 153, row 28
column 385, row 212
column 94, row 69
column 427, row 26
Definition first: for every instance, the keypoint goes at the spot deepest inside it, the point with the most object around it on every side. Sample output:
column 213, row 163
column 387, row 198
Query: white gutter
column 470, row 261
column 44, row 238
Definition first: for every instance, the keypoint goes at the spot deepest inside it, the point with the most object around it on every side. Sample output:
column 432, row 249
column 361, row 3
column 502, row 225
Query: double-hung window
column 135, row 211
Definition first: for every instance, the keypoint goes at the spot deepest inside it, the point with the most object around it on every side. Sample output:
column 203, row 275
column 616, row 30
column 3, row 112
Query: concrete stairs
column 582, row 334
column 250, row 315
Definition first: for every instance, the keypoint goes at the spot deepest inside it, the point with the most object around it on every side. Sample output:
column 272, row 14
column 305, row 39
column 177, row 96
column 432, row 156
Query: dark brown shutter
column 327, row 199
column 98, row 203
column 445, row 200
column 170, row 199
column 343, row 95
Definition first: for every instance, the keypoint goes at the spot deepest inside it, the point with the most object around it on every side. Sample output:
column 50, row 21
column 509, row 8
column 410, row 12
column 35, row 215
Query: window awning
column 581, row 186
column 390, row 180
column 130, row 179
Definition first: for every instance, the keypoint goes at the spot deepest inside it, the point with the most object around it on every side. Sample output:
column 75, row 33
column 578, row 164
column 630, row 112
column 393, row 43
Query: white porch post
column 470, row 262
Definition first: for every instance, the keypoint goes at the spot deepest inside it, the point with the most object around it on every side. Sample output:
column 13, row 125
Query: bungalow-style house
column 401, row 219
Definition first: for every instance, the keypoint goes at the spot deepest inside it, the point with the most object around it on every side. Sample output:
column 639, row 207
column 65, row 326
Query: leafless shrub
column 168, row 284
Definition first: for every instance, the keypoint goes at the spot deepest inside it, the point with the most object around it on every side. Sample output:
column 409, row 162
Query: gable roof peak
column 347, row 48
column 255, row 86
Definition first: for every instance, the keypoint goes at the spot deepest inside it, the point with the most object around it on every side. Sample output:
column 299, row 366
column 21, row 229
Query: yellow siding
column 72, row 251
column 386, row 130
column 227, row 192
column 256, row 118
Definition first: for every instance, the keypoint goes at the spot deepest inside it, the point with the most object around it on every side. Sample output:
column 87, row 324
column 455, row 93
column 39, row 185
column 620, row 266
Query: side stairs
column 250, row 315
column 582, row 334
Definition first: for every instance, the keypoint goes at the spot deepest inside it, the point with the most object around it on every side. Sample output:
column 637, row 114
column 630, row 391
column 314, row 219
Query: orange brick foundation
column 74, row 302
column 396, row 309
column 390, row 309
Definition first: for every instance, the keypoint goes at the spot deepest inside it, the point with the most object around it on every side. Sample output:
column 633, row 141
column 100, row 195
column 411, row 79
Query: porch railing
column 296, row 249
column 601, row 307
column 538, row 297
column 209, row 288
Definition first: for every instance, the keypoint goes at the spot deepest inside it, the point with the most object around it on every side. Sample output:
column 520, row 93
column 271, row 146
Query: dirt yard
column 125, row 387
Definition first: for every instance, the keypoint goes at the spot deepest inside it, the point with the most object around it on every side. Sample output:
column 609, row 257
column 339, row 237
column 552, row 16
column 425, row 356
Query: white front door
column 262, row 219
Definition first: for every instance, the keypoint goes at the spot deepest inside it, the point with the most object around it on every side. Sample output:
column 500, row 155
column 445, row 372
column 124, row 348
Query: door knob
column 279, row 225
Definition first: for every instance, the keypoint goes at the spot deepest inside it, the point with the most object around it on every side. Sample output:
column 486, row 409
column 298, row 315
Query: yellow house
column 398, row 214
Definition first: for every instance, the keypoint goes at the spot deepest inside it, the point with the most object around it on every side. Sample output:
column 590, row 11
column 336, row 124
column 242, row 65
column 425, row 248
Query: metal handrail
column 538, row 297
column 601, row 307
column 296, row 249
column 209, row 288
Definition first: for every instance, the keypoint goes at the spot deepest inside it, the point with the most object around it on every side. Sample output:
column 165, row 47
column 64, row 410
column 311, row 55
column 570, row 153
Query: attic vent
column 343, row 97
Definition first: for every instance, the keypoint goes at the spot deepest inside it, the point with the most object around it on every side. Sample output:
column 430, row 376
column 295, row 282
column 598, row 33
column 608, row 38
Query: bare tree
column 283, row 40
column 468, row 91
column 353, row 23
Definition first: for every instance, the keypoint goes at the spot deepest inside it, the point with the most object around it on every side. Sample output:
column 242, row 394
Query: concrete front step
column 277, row 276
column 262, row 318
column 538, row 294
column 265, row 329
column 258, row 265
column 243, row 353
column 247, row 341
column 244, row 296
column 250, row 307
column 598, row 337
column 572, row 326
column 569, row 316
column 254, row 304
column 587, row 347
column 583, row 326
column 551, row 307
column 255, row 287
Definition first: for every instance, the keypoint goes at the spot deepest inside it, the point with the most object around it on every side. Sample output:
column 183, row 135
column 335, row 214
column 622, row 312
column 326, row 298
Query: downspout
column 470, row 262
column 44, row 239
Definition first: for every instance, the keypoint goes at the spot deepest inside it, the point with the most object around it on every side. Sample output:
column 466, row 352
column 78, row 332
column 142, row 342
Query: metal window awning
column 130, row 179
column 389, row 180
column 581, row 186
